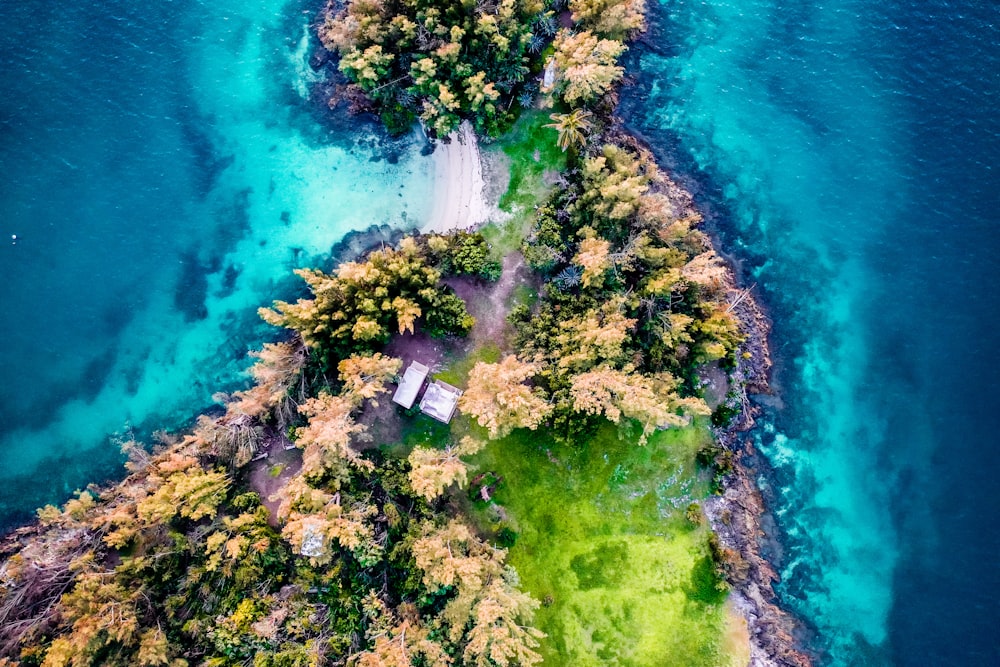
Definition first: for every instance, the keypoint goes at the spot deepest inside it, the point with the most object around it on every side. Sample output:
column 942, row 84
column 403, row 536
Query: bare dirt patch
column 268, row 475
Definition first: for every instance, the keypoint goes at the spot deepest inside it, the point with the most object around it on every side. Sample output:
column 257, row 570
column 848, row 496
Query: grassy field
column 602, row 540
column 530, row 150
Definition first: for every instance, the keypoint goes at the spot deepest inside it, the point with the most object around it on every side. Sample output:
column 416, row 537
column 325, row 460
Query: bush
column 449, row 317
column 469, row 255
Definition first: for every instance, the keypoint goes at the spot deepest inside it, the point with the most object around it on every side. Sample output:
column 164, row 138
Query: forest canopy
column 439, row 62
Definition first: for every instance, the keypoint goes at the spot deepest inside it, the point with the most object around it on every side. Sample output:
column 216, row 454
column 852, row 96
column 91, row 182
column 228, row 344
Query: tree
column 718, row 334
column 184, row 489
column 573, row 127
column 587, row 65
column 364, row 376
column 451, row 556
column 496, row 636
column 434, row 470
column 326, row 439
column 499, row 401
column 277, row 373
column 597, row 336
column 614, row 183
column 469, row 254
column 593, row 256
column 441, row 62
column 101, row 613
column 706, row 270
column 652, row 401
column 486, row 599
column 233, row 438
column 361, row 304
column 313, row 535
column 609, row 18
column 398, row 642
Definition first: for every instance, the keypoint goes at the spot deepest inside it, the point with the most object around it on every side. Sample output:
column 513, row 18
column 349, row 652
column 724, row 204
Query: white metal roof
column 409, row 386
column 439, row 401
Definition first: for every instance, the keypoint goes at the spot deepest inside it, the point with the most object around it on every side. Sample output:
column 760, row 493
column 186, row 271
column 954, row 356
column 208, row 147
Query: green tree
column 573, row 127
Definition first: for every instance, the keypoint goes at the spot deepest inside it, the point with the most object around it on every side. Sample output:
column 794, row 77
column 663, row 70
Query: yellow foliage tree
column 499, row 401
column 154, row 649
column 451, row 555
column 595, row 337
column 610, row 18
column 496, row 636
column 434, row 470
column 652, row 401
column 101, row 613
column 615, row 183
column 326, row 439
column 313, row 535
column 398, row 642
column 362, row 303
column 587, row 65
column 364, row 376
column 593, row 256
column 407, row 312
column 706, row 270
column 277, row 371
column 486, row 600
column 187, row 491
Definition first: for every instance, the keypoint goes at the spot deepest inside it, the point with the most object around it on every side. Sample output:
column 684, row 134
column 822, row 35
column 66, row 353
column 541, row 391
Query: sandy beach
column 458, row 183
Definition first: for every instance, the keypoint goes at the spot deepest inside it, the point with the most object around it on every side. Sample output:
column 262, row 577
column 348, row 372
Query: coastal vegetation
column 556, row 518
column 351, row 561
column 440, row 62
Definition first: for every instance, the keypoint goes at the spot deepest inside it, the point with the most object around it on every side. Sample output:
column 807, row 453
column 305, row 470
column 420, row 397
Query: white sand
column 458, row 184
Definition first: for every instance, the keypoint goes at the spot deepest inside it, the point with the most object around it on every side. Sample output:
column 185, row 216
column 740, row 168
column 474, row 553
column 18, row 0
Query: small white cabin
column 439, row 401
column 409, row 387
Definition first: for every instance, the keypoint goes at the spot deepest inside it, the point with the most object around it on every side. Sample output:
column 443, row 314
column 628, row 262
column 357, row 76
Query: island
column 510, row 437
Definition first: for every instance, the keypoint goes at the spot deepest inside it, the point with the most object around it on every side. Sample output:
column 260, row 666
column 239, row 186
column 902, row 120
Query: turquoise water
column 166, row 165
column 164, row 169
column 846, row 151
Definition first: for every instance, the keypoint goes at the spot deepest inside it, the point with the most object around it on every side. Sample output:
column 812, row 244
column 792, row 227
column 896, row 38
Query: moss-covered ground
column 530, row 150
column 599, row 535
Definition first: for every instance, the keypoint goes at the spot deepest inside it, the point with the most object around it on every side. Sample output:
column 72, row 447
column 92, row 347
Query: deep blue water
column 848, row 152
column 162, row 173
column 164, row 168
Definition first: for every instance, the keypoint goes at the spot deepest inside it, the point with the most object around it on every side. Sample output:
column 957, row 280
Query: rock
column 319, row 58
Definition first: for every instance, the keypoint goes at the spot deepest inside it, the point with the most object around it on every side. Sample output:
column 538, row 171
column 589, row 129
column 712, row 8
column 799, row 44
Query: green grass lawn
column 531, row 150
column 602, row 540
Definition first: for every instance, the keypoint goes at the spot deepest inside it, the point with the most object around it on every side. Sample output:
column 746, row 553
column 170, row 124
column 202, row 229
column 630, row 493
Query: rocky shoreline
column 739, row 516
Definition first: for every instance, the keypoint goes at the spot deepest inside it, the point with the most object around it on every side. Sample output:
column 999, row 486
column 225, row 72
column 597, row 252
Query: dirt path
column 267, row 476
column 493, row 326
column 490, row 303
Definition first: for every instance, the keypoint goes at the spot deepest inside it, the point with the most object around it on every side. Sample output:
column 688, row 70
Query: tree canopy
column 498, row 399
column 361, row 304
column 440, row 63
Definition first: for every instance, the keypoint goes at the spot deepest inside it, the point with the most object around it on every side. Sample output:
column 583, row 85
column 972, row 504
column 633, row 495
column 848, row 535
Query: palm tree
column 572, row 127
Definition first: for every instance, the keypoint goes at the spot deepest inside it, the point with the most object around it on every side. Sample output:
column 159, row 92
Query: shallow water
column 846, row 151
column 163, row 172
